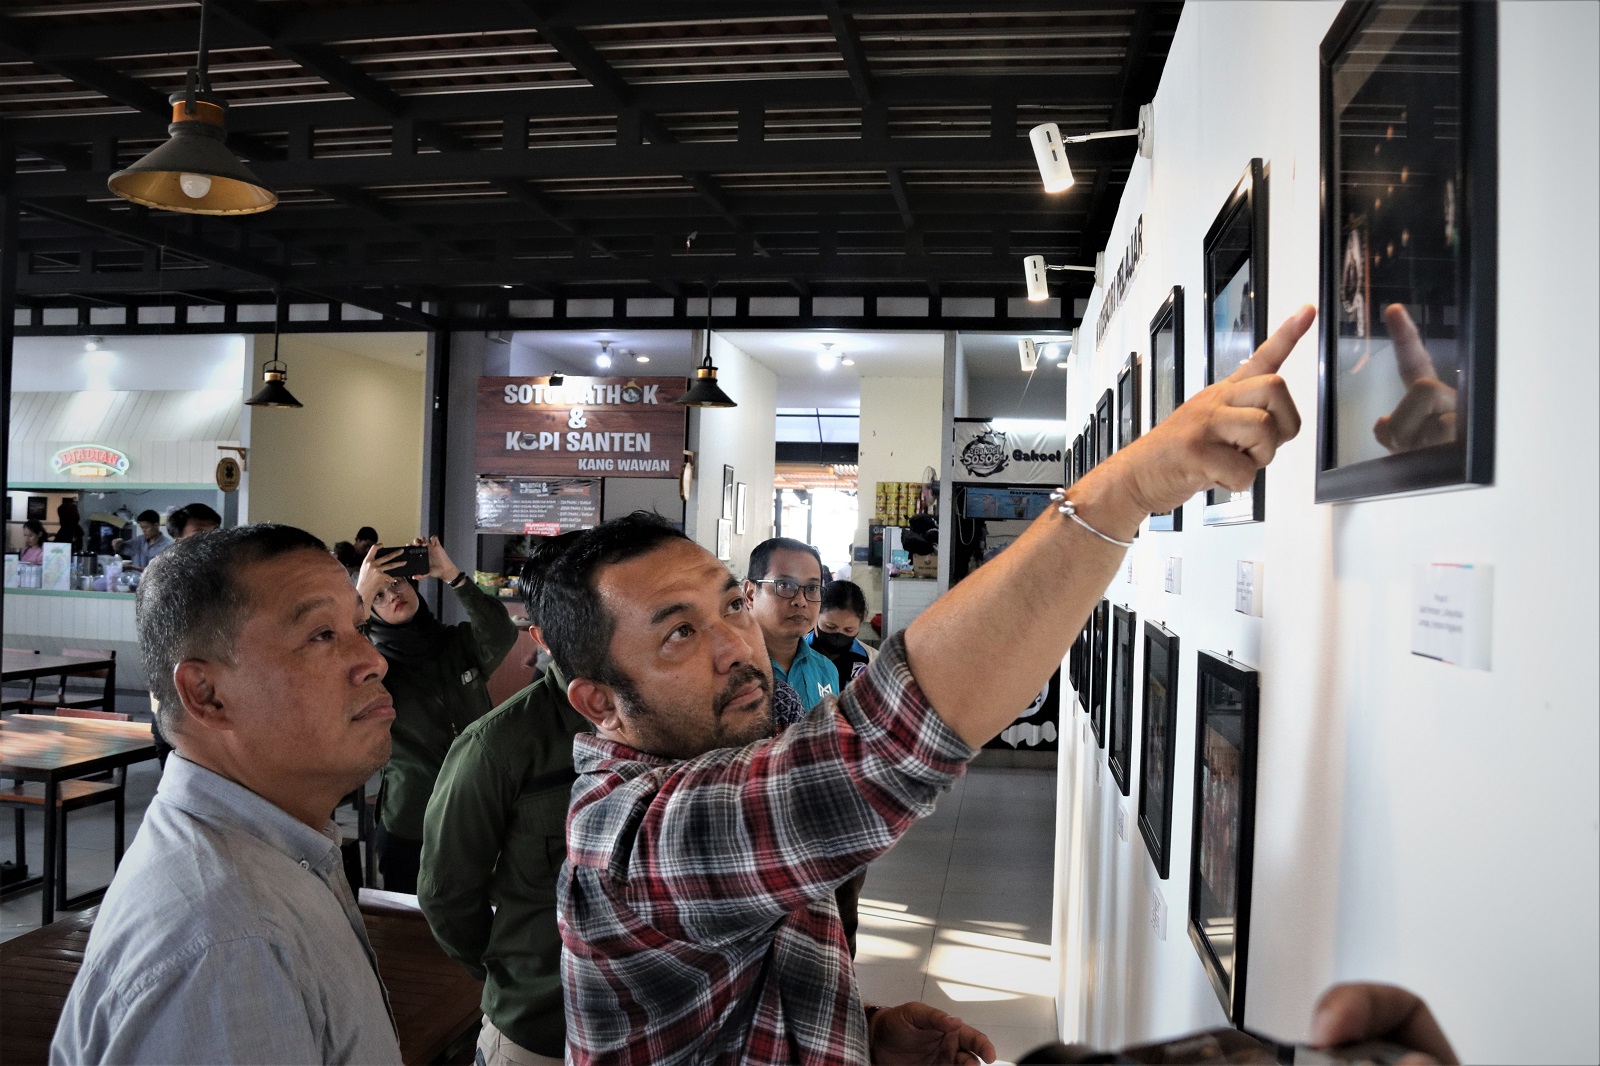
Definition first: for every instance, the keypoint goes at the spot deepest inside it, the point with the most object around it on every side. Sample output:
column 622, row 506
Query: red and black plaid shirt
column 696, row 907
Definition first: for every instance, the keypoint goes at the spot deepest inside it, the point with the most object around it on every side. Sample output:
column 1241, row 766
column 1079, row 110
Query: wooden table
column 35, row 747
column 25, row 665
column 434, row 999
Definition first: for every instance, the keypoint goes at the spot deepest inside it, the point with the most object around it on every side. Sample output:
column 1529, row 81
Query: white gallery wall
column 1418, row 823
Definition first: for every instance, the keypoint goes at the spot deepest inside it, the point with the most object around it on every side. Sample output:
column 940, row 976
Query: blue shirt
column 229, row 934
column 142, row 552
column 812, row 674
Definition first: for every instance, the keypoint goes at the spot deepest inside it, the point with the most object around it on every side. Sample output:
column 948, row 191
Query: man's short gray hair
column 191, row 605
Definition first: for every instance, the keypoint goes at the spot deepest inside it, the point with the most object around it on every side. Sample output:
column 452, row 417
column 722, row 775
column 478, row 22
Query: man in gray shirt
column 229, row 933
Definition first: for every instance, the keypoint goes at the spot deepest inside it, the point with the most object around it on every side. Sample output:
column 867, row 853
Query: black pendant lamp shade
column 704, row 390
column 273, row 392
column 193, row 172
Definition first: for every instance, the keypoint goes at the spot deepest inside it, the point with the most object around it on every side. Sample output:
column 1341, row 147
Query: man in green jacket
column 494, row 840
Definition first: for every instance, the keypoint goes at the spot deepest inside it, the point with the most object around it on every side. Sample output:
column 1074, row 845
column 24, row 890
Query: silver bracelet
column 1070, row 509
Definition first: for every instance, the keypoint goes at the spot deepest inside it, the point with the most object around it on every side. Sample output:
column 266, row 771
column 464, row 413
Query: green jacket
column 496, row 836
column 434, row 700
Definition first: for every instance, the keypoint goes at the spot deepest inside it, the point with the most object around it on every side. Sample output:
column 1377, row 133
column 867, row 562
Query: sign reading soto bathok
column 584, row 427
column 544, row 507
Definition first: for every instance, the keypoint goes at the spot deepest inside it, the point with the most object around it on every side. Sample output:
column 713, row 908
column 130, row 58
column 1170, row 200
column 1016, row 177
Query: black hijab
column 422, row 637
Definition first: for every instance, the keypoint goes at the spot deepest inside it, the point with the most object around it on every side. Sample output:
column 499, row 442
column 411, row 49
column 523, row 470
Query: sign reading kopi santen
column 592, row 427
column 1008, row 452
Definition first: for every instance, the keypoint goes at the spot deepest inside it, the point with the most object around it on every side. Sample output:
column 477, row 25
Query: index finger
column 1270, row 356
column 1410, row 354
column 1364, row 1011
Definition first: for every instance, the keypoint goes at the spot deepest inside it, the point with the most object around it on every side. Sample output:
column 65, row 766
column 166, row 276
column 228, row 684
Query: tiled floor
column 958, row 914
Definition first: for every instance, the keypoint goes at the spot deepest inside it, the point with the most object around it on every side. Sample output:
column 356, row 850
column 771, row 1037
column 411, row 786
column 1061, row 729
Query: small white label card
column 1454, row 613
column 1122, row 822
column 1096, row 759
column 1127, row 569
column 1158, row 913
column 1247, row 596
column 1174, row 574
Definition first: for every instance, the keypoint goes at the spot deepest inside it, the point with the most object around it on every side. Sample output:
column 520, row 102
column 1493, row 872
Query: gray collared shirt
column 229, row 935
column 141, row 552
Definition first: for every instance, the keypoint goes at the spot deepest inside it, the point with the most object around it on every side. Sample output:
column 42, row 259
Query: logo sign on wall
column 586, row 427
column 89, row 460
column 1009, row 452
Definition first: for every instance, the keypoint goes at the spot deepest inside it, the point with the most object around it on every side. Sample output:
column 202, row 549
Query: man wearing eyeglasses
column 784, row 589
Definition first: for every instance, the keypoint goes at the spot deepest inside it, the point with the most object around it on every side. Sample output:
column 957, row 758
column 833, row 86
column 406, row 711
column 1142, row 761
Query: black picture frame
column 1221, row 858
column 1166, row 382
column 1130, row 415
column 1124, row 624
column 1105, row 417
column 1158, row 746
column 1427, row 239
column 1091, row 446
column 1099, row 645
column 1080, row 667
column 1236, row 287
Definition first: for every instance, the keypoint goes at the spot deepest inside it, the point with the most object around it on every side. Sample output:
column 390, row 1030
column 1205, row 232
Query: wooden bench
column 435, row 1001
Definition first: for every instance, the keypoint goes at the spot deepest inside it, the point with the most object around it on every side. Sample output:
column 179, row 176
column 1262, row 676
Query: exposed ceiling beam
column 850, row 49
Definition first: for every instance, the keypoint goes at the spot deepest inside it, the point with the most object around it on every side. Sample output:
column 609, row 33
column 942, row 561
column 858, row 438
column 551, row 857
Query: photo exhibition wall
column 1355, row 735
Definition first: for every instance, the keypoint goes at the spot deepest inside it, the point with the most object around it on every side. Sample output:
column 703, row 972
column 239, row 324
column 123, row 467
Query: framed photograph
column 1123, row 625
column 39, row 508
column 1158, row 750
column 1105, row 415
column 1236, row 316
column 1075, row 659
column 725, row 539
column 1076, row 470
column 1408, row 268
column 738, row 508
column 727, row 492
column 1099, row 645
column 1224, row 824
column 1166, row 381
column 1128, row 411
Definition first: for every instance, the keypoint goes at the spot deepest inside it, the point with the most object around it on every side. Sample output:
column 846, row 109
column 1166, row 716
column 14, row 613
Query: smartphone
column 414, row 560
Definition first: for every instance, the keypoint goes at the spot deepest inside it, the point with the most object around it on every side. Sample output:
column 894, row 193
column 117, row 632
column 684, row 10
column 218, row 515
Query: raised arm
column 985, row 649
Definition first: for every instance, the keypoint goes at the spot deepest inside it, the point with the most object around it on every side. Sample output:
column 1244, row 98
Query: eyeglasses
column 787, row 589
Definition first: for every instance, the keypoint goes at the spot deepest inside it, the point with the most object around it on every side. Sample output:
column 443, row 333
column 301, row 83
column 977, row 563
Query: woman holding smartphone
column 439, row 678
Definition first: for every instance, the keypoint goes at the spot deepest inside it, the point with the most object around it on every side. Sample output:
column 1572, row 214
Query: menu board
column 541, row 506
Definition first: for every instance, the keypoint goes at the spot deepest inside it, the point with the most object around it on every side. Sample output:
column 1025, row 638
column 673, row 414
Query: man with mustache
column 696, row 908
column 229, row 933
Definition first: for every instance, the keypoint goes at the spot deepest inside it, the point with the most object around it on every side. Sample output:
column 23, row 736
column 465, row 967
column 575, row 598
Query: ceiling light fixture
column 193, row 172
column 1061, row 365
column 846, row 361
column 827, row 359
column 704, row 390
column 1028, row 351
column 1050, row 152
column 603, row 360
column 639, row 357
column 93, row 344
column 274, row 391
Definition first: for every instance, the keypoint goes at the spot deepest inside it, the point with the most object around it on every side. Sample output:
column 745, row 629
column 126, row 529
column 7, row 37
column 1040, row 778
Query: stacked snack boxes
column 897, row 501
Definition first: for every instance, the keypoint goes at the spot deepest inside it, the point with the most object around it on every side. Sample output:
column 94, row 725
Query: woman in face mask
column 839, row 621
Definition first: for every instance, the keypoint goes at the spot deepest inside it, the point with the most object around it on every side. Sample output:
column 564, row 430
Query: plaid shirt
column 696, row 907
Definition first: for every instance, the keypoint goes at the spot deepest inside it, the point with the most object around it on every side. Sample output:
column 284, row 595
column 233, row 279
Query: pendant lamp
column 273, row 392
column 704, row 390
column 193, row 172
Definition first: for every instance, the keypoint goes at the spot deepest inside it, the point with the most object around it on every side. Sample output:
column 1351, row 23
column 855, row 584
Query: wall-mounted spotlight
column 1034, row 269
column 1050, row 151
column 1028, row 350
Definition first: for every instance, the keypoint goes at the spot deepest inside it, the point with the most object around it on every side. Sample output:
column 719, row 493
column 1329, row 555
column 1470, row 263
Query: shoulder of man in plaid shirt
column 697, row 907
